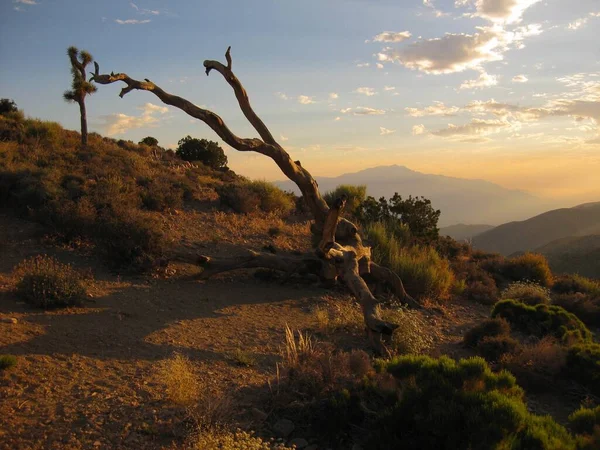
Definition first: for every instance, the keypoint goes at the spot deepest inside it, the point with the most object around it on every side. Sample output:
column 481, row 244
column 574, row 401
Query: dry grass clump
column 526, row 292
column 221, row 439
column 413, row 334
column 243, row 358
column 7, row 361
column 339, row 314
column 249, row 196
column 45, row 282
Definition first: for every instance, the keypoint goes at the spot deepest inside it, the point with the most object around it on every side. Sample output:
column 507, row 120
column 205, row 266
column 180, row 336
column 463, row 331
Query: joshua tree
column 340, row 251
column 80, row 87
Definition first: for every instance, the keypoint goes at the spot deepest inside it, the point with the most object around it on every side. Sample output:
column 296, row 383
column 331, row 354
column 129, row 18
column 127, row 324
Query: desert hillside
column 119, row 330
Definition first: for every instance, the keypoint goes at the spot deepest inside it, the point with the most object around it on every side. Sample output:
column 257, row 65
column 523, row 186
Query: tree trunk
column 340, row 252
column 84, row 131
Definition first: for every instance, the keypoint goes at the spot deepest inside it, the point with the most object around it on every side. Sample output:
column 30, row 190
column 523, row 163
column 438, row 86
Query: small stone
column 283, row 427
column 299, row 443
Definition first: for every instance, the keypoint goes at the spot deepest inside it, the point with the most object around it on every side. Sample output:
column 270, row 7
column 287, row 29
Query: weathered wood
column 340, row 252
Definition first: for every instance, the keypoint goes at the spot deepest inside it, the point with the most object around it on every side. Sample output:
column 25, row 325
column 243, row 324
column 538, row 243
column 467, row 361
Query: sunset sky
column 503, row 90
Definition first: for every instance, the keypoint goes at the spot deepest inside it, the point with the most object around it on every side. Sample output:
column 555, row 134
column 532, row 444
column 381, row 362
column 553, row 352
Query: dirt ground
column 85, row 376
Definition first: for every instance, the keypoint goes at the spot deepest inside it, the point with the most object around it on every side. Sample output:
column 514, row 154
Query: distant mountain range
column 460, row 200
column 575, row 254
column 547, row 232
column 463, row 232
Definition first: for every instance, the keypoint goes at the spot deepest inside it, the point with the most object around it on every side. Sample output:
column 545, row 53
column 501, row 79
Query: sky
column 502, row 90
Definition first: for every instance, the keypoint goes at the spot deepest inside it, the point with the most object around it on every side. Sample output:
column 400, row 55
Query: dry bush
column 487, row 328
column 7, row 361
column 526, row 292
column 222, row 439
column 538, row 362
column 45, row 282
column 339, row 314
column 528, row 267
column 249, row 196
column 413, row 334
column 584, row 306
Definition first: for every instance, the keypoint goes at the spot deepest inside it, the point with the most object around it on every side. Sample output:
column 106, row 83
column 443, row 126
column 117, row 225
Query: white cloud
column 333, row 95
column 384, row 131
column 144, row 11
column 26, row 2
column 392, row 36
column 281, row 95
column 283, row 138
column 475, row 127
column 575, row 25
column 337, row 119
column 484, row 80
column 520, row 79
column 131, row 21
column 363, row 111
column 363, row 65
column 379, row 65
column 365, row 91
column 120, row 123
column 437, row 12
column 418, row 129
column 597, row 14
column 305, row 100
column 437, row 109
column 389, row 88
column 499, row 11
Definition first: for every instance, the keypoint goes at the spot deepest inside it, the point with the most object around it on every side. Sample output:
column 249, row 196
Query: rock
column 283, row 427
column 299, row 443
column 259, row 414
column 9, row 320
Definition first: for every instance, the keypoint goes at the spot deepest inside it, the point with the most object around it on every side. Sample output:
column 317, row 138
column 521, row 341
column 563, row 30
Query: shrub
column 249, row 196
column 161, row 194
column 492, row 348
column 542, row 320
column 584, row 420
column 422, row 270
column 449, row 404
column 584, row 306
column 7, row 361
column 583, row 365
column 44, row 282
column 413, row 334
column 355, row 195
column 207, row 152
column 528, row 267
column 221, row 439
column 567, row 284
column 526, row 292
column 487, row 328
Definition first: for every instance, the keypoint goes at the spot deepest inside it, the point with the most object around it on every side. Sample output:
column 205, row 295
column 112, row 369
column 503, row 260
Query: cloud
column 281, row 95
column 120, row 123
column 337, row 119
column 520, row 79
column 499, row 11
column 363, row 111
column 283, row 138
column 365, row 91
column 384, row 131
column 484, row 80
column 475, row 127
column 144, row 11
column 437, row 109
column 305, row 100
column 363, row 65
column 418, row 129
column 379, row 65
column 333, row 96
column 389, row 88
column 575, row 25
column 131, row 21
column 392, row 36
column 429, row 4
column 26, row 2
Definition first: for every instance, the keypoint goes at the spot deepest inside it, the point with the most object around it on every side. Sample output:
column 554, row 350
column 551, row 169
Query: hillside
column 540, row 230
column 575, row 254
column 462, row 232
column 460, row 200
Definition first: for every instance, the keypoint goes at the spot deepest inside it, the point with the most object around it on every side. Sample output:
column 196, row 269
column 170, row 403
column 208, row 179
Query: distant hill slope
column 540, row 230
column 460, row 200
column 462, row 232
column 575, row 254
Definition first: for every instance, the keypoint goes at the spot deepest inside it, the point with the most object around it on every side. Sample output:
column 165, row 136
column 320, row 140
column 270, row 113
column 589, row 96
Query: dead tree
column 340, row 252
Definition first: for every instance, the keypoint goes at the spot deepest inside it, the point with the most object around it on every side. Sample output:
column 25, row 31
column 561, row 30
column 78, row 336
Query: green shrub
column 526, row 292
column 162, row 194
column 250, row 196
column 541, row 320
column 492, row 348
column 7, row 361
column 44, row 282
column 459, row 405
column 583, row 365
column 528, row 267
column 487, row 328
column 422, row 270
column 584, row 420
column 355, row 195
column 413, row 334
